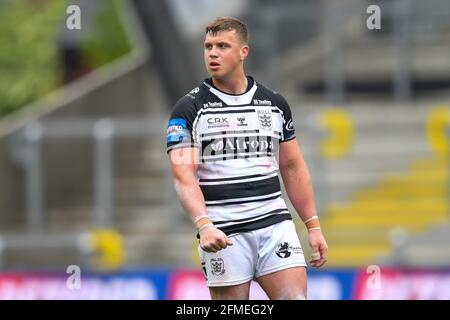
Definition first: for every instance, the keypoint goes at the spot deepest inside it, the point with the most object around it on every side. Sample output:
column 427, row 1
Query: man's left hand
column 319, row 248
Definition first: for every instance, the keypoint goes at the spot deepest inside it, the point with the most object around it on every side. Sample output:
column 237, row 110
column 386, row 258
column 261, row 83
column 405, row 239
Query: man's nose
column 213, row 52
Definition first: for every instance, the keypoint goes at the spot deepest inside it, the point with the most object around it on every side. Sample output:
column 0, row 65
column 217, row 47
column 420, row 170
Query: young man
column 223, row 139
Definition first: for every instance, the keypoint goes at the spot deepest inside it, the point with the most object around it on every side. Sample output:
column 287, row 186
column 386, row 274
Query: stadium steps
column 361, row 230
column 369, row 59
column 153, row 234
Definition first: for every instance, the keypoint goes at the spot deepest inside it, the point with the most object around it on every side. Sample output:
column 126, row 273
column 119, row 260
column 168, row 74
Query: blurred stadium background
column 83, row 171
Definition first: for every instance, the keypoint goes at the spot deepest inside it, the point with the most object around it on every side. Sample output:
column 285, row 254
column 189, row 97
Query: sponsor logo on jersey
column 177, row 130
column 242, row 122
column 212, row 104
column 192, row 92
column 258, row 102
column 290, row 125
column 265, row 119
column 195, row 90
column 228, row 147
column 217, row 122
column 217, row 266
column 241, row 144
column 285, row 250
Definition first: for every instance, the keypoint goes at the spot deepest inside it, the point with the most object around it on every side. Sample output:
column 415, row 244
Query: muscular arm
column 297, row 182
column 183, row 164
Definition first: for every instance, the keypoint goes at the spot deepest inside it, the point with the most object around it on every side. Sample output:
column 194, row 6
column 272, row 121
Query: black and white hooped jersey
column 238, row 137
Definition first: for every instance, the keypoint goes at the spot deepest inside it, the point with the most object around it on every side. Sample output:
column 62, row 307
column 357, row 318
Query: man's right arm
column 184, row 151
column 183, row 164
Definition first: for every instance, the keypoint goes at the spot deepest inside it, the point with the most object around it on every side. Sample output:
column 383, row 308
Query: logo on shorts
column 217, row 267
column 285, row 250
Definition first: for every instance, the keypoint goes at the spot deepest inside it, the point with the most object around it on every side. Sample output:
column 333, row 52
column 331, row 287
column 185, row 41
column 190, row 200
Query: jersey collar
column 232, row 99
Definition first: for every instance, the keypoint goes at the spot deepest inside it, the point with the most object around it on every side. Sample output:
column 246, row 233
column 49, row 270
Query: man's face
column 224, row 53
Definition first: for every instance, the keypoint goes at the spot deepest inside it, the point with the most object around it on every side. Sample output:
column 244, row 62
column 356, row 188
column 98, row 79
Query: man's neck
column 232, row 86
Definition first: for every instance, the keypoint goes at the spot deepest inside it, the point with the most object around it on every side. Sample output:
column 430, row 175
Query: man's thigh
column 233, row 265
column 279, row 249
column 281, row 270
column 286, row 284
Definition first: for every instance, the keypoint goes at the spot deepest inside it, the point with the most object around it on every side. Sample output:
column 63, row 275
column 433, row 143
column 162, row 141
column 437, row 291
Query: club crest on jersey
column 265, row 119
column 217, row 267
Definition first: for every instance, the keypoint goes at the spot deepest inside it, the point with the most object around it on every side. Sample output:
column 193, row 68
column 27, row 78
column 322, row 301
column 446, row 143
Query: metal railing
column 336, row 129
column 102, row 132
column 27, row 150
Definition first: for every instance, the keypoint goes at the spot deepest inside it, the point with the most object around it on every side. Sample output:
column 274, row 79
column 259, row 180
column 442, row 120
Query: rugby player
column 228, row 140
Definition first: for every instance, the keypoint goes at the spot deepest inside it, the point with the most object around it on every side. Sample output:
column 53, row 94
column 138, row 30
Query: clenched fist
column 213, row 239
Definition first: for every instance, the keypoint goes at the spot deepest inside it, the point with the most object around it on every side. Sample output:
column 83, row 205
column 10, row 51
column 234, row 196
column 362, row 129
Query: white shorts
column 253, row 254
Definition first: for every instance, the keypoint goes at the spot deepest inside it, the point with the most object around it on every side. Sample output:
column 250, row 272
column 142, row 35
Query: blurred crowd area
column 83, row 170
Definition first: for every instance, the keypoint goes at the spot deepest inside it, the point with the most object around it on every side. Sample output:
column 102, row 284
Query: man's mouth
column 214, row 65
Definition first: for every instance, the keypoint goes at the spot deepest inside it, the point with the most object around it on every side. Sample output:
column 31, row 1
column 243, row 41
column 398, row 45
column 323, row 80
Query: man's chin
column 215, row 73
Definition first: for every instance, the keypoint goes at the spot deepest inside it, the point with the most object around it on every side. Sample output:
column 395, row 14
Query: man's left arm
column 297, row 182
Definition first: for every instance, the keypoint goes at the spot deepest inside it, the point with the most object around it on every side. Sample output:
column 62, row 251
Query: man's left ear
column 244, row 52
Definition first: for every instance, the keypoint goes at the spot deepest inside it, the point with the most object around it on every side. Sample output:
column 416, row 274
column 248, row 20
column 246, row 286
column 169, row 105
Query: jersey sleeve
column 288, row 123
column 180, row 126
